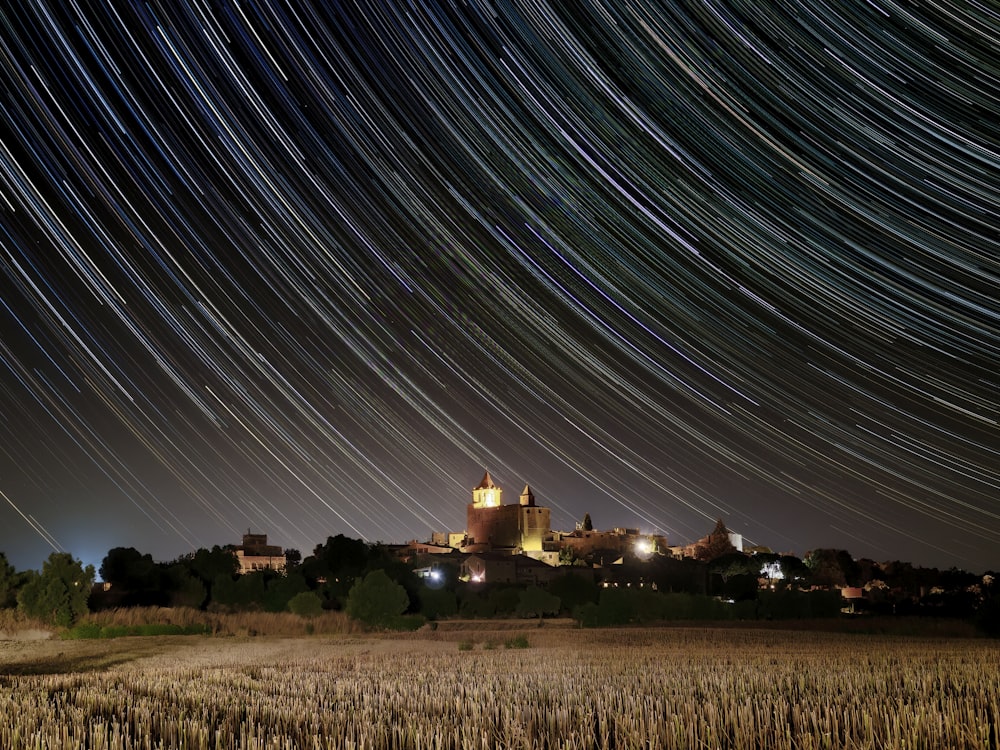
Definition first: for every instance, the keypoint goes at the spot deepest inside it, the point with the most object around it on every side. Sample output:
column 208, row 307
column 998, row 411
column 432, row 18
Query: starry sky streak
column 223, row 226
column 35, row 526
column 590, row 431
column 76, row 427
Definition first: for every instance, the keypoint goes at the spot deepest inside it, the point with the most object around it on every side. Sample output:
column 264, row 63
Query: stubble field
column 649, row 688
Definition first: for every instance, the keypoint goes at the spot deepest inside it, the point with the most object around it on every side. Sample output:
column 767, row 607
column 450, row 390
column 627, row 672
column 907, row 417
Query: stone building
column 491, row 525
column 256, row 554
column 493, row 567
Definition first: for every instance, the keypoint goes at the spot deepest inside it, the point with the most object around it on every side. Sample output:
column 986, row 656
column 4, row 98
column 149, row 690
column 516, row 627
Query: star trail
column 310, row 268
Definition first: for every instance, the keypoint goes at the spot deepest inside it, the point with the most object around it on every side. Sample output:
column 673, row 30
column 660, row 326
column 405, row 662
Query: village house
column 256, row 554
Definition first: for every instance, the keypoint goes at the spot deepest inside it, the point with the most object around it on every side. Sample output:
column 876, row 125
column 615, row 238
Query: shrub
column 536, row 602
column 988, row 617
column 405, row 622
column 517, row 641
column 83, row 631
column 437, row 603
column 117, row 631
column 306, row 604
column 588, row 615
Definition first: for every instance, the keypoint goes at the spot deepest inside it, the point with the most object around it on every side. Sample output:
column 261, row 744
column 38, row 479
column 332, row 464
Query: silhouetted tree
column 135, row 579
column 380, row 558
column 955, row 579
column 183, row 588
column 537, row 602
column 210, row 564
column 735, row 576
column 334, row 567
column 245, row 592
column 902, row 576
column 436, row 603
column 588, row 525
column 58, row 595
column 503, row 599
column 339, row 555
column 376, row 599
column 474, row 602
column 866, row 570
column 794, row 569
column 684, row 575
column 574, row 589
column 282, row 588
column 716, row 544
column 10, row 582
column 734, row 564
column 831, row 567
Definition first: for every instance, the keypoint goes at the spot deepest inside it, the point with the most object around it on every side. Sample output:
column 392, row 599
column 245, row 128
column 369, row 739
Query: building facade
column 492, row 525
column 256, row 554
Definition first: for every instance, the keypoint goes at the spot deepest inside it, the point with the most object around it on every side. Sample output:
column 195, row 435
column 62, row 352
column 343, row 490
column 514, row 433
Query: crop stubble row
column 572, row 689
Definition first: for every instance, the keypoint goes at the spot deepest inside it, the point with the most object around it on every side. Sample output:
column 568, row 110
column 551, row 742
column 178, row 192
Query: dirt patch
column 552, row 623
column 34, row 634
column 56, row 656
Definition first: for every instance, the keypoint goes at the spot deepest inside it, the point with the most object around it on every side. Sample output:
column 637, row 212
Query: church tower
column 491, row 525
column 486, row 494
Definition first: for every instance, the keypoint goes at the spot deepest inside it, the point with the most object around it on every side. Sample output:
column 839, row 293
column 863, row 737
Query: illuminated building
column 491, row 525
column 256, row 554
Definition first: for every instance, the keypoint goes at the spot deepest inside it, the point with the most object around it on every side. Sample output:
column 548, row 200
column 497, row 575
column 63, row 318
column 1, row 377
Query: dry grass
column 12, row 622
column 671, row 688
column 236, row 624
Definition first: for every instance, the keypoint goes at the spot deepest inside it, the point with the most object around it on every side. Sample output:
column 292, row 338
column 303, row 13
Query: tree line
column 371, row 584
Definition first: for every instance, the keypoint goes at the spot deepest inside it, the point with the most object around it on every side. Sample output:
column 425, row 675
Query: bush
column 91, row 630
column 786, row 605
column 588, row 615
column 118, row 631
column 406, row 623
column 536, row 602
column 988, row 617
column 473, row 606
column 306, row 604
column 437, row 603
column 83, row 631
column 503, row 600
column 517, row 641
column 573, row 590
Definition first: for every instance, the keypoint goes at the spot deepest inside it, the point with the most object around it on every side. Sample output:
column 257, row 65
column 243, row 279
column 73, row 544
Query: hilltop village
column 515, row 541
column 524, row 528
column 508, row 562
column 513, row 544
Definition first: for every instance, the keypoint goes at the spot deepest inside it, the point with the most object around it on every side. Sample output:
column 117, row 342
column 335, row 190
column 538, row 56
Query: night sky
column 310, row 269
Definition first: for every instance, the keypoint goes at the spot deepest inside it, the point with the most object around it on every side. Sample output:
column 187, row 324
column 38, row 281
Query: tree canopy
column 716, row 544
column 376, row 599
column 58, row 595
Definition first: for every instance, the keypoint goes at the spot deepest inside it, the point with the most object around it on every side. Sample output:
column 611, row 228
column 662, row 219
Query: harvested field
column 649, row 688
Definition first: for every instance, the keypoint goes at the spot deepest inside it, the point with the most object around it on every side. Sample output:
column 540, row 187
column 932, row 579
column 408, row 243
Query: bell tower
column 491, row 525
column 486, row 494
